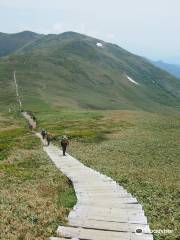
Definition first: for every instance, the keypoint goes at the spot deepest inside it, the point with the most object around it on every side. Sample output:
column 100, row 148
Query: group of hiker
column 64, row 142
column 45, row 136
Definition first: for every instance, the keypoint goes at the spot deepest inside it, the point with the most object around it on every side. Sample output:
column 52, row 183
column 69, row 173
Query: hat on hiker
column 64, row 137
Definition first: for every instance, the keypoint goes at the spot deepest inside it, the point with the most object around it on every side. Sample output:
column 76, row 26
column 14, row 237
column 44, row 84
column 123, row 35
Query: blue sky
column 150, row 28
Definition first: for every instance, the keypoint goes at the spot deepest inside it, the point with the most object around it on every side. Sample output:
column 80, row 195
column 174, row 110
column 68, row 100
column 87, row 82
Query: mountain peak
column 26, row 33
column 71, row 34
column 11, row 42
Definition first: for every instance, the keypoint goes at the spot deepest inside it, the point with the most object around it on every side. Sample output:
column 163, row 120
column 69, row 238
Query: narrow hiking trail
column 104, row 209
column 17, row 90
column 29, row 119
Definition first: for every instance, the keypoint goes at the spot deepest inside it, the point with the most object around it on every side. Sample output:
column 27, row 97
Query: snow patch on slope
column 131, row 80
column 98, row 44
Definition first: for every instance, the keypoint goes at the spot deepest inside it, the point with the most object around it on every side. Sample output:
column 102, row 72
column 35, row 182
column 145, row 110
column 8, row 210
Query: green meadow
column 35, row 197
column 140, row 150
column 69, row 84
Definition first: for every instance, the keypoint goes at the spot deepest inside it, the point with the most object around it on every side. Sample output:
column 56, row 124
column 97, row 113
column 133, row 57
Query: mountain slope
column 10, row 43
column 171, row 68
column 70, row 69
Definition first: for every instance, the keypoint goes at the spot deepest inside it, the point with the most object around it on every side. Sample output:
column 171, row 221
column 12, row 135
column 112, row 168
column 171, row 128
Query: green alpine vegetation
column 140, row 150
column 10, row 43
column 69, row 69
column 35, row 197
column 120, row 112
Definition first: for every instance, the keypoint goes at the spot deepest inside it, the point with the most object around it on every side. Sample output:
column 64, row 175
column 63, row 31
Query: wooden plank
column 101, row 211
column 112, row 226
column 91, row 234
column 113, row 205
column 136, row 220
column 57, row 238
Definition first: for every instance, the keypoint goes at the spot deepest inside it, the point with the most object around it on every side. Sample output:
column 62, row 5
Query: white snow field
column 131, row 80
column 98, row 44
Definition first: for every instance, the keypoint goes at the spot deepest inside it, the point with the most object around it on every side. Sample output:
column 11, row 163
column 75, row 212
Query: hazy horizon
column 149, row 29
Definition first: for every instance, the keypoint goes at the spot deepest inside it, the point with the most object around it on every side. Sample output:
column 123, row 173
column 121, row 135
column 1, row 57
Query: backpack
column 64, row 142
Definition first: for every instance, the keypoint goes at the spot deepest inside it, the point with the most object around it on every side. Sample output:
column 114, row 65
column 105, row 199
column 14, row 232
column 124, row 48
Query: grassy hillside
column 35, row 197
column 10, row 43
column 115, row 125
column 139, row 150
column 70, row 70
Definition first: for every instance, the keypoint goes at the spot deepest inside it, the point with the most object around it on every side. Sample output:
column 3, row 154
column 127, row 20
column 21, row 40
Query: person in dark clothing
column 48, row 139
column 43, row 133
column 64, row 144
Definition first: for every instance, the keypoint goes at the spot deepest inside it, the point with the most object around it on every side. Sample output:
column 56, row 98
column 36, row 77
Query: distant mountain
column 76, row 70
column 10, row 43
column 171, row 68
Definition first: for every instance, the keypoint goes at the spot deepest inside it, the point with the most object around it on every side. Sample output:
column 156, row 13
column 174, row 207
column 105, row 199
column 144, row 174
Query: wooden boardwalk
column 104, row 210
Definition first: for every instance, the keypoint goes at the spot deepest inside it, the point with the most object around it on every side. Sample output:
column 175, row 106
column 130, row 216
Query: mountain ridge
column 72, row 69
column 11, row 42
column 173, row 69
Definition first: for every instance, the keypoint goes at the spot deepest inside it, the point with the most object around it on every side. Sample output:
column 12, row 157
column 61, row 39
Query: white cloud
column 110, row 36
column 58, row 27
column 63, row 27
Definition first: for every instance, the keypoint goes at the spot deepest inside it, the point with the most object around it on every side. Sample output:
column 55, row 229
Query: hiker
column 64, row 144
column 43, row 133
column 48, row 139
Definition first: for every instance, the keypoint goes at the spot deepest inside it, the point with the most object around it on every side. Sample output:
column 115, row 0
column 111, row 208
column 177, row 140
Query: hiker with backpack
column 64, row 143
column 48, row 139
